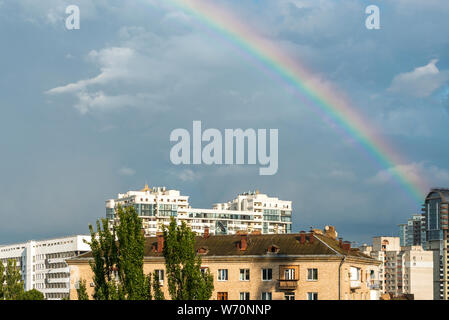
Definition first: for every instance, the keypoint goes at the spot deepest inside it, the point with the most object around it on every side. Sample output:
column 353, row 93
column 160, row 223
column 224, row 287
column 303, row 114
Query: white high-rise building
column 404, row 270
column 42, row 263
column 250, row 212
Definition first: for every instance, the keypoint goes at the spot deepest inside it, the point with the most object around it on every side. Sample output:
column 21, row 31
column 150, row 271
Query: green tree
column 183, row 265
column 131, row 244
column 104, row 252
column 157, row 291
column 82, row 291
column 118, row 258
column 13, row 289
column 32, row 294
column 2, row 281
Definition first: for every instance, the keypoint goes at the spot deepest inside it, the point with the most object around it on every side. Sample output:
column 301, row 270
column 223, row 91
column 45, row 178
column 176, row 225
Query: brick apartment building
column 304, row 266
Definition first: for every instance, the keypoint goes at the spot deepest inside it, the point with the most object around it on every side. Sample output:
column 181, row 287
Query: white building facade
column 250, row 212
column 42, row 263
column 404, row 269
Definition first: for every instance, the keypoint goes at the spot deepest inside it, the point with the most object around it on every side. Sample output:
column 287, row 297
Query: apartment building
column 304, row 266
column 435, row 213
column 42, row 263
column 404, row 270
column 250, row 211
column 413, row 233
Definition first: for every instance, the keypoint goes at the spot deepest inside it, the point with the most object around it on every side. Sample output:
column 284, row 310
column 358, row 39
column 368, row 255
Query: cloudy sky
column 88, row 113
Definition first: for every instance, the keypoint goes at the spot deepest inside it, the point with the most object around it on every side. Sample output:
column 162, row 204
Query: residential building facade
column 42, row 263
column 413, row 233
column 404, row 270
column 304, row 266
column 251, row 211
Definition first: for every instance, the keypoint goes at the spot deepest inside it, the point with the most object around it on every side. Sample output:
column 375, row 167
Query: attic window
column 202, row 250
column 273, row 249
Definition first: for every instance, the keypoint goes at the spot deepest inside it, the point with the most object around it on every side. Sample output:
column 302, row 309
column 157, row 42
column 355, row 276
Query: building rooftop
column 443, row 193
column 298, row 244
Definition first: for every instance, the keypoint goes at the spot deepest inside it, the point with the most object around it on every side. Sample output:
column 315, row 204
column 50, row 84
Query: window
column 267, row 274
column 222, row 295
column 244, row 274
column 204, row 270
column 312, row 274
column 222, row 274
column 244, row 295
column 160, row 274
column 266, row 296
column 354, row 274
column 312, row 295
column 289, row 274
column 289, row 296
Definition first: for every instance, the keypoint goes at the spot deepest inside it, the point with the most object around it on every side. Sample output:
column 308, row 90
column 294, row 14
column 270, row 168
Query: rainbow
column 307, row 86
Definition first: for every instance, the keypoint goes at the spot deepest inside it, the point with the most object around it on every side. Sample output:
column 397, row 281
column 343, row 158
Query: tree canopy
column 118, row 261
column 186, row 280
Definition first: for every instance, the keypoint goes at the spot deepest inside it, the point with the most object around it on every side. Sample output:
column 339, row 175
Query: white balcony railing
column 58, row 280
column 56, row 260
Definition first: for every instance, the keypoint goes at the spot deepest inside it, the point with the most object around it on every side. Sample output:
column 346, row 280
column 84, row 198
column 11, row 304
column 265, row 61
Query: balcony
column 57, row 270
column 56, row 260
column 57, row 280
column 288, row 284
column 374, row 285
column 355, row 284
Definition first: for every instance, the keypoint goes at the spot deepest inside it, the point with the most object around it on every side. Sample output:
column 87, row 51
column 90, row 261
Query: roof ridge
column 324, row 242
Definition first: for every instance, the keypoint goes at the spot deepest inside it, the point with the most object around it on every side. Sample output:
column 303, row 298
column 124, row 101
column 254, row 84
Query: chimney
column 302, row 237
column 346, row 246
column 206, row 233
column 160, row 241
column 311, row 238
column 243, row 241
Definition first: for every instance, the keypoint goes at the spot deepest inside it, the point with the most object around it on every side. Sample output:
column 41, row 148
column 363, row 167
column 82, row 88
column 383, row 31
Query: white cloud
column 416, row 172
column 421, row 82
column 113, row 64
column 101, row 101
column 146, row 70
column 125, row 171
column 121, row 69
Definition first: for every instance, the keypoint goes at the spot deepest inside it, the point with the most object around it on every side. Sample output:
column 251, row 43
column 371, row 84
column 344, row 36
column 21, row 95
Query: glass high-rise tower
column 435, row 217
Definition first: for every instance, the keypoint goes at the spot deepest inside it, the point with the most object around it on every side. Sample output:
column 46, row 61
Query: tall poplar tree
column 2, row 281
column 157, row 291
column 183, row 265
column 118, row 258
column 131, row 244
column 104, row 252
column 14, row 288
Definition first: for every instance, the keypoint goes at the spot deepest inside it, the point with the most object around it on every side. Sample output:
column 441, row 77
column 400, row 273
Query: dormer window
column 202, row 250
column 273, row 249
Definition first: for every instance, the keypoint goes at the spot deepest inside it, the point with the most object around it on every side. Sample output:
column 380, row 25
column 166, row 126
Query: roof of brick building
column 262, row 245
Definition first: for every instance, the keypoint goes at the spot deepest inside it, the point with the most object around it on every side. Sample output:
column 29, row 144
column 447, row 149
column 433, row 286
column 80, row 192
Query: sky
column 86, row 114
